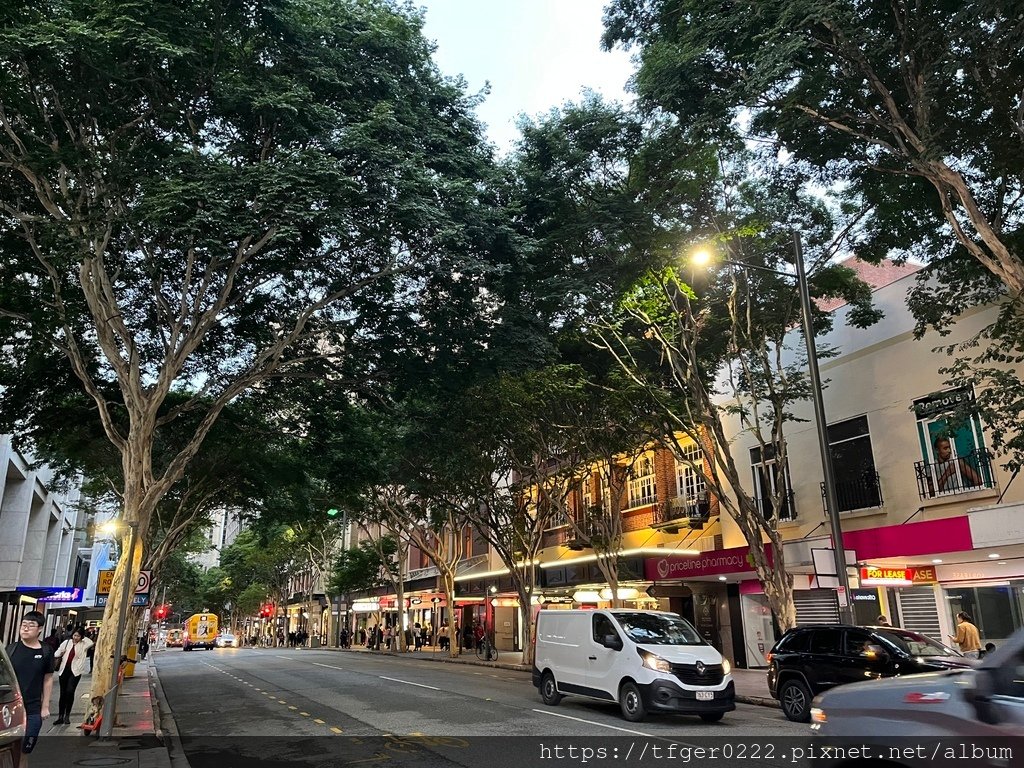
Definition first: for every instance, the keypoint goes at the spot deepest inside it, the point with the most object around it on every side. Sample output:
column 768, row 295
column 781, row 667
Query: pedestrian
column 423, row 637
column 54, row 639
column 881, row 621
column 73, row 655
column 344, row 637
column 143, row 646
column 33, row 666
column 442, row 637
column 478, row 635
column 467, row 636
column 967, row 636
column 989, row 648
column 408, row 639
column 417, row 636
column 92, row 634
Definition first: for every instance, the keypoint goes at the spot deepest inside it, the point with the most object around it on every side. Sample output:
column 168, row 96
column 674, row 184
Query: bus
column 200, row 631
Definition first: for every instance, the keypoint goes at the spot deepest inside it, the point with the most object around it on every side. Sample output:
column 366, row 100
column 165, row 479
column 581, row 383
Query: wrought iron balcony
column 862, row 493
column 682, row 511
column 963, row 474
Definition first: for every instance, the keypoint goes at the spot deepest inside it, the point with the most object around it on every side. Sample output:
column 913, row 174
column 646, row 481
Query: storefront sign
column 896, row 576
column 55, row 594
column 942, row 402
column 708, row 564
column 997, row 526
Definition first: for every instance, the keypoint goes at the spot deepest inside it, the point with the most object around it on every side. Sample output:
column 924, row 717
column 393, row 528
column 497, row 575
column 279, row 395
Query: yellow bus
column 200, row 631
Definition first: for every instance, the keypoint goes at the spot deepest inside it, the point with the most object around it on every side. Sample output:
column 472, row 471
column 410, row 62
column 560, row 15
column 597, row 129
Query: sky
column 536, row 54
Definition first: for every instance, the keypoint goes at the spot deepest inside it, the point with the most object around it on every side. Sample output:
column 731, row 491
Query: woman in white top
column 73, row 660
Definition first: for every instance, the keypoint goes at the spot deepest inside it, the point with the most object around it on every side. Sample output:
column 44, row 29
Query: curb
column 169, row 735
column 759, row 701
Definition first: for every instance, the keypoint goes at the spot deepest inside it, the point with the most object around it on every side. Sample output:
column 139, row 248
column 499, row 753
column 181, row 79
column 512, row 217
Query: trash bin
column 314, row 642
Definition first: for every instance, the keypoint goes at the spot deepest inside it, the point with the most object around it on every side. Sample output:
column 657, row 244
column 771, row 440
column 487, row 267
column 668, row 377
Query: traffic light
column 267, row 611
column 333, row 513
column 162, row 612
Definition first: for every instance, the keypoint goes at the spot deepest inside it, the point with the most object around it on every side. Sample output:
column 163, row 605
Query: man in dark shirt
column 33, row 664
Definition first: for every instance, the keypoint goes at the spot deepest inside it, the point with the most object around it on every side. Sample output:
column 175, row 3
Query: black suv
column 809, row 660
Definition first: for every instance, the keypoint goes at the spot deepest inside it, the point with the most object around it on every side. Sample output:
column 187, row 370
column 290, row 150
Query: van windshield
column 658, row 629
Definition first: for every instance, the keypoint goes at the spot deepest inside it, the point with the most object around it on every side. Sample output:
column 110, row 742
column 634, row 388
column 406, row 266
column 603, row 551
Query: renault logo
column 700, row 667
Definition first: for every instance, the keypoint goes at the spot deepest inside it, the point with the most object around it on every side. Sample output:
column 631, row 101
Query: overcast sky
column 536, row 54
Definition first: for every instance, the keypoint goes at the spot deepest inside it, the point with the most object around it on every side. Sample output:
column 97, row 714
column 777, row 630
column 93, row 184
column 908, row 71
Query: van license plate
column 705, row 695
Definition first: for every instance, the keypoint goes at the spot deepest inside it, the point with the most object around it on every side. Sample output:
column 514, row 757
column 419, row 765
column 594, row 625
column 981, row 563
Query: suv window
column 826, row 641
column 603, row 627
column 857, row 642
column 797, row 641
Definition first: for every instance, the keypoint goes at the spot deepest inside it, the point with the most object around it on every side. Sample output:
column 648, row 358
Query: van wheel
column 549, row 691
column 796, row 701
column 712, row 717
column 632, row 702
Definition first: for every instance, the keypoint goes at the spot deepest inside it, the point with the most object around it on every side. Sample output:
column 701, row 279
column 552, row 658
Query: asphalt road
column 267, row 707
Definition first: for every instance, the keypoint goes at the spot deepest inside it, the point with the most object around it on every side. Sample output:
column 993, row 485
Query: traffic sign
column 139, row 601
column 107, row 578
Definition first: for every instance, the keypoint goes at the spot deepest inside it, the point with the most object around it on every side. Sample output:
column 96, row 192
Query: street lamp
column 127, row 590
column 703, row 257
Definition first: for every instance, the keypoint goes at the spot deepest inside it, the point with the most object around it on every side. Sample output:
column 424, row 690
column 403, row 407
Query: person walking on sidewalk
column 33, row 665
column 74, row 656
column 967, row 636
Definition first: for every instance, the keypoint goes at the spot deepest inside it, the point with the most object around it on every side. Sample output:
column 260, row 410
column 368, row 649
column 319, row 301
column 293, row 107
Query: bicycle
column 485, row 651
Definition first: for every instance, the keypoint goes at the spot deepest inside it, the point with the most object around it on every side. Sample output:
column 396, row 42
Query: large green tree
column 916, row 105
column 197, row 196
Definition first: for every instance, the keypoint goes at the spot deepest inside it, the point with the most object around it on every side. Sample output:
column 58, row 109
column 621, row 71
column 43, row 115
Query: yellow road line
column 336, row 730
column 304, row 714
column 318, row 720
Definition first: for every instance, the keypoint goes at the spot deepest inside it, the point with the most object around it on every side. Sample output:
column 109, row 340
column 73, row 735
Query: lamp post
column 820, row 421
column 127, row 590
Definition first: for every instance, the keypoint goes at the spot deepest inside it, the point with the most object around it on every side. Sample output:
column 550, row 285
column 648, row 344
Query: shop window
column 853, row 464
column 996, row 610
column 953, row 455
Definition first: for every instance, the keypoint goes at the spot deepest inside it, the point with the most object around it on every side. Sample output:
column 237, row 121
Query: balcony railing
column 787, row 512
column 962, row 474
column 862, row 493
column 682, row 510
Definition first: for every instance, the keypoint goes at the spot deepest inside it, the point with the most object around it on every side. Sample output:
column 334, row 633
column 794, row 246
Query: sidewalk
column 138, row 741
column 751, row 684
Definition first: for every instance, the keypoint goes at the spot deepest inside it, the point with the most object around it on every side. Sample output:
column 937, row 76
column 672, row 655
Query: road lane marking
column 592, row 722
column 329, row 666
column 318, row 720
column 304, row 714
column 336, row 730
column 407, row 682
column 291, row 707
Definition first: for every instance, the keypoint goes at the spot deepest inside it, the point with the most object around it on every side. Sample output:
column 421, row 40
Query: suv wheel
column 796, row 701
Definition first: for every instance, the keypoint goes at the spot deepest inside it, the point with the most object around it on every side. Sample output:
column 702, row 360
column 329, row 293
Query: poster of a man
column 952, row 473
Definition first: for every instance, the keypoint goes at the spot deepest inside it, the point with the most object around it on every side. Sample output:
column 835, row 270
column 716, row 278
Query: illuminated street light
column 704, row 257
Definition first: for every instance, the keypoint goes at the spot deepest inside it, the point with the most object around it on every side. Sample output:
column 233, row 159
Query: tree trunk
column 106, row 657
column 449, row 590
column 400, row 597
column 526, row 618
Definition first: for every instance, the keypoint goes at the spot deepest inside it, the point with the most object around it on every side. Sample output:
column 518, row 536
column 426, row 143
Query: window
column 853, row 465
column 954, row 459
column 602, row 628
column 765, row 478
column 796, row 642
column 642, row 485
column 587, row 493
column 689, row 478
column 857, row 642
column 826, row 641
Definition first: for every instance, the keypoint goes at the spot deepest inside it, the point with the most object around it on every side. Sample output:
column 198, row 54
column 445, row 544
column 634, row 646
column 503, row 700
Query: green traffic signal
column 332, row 513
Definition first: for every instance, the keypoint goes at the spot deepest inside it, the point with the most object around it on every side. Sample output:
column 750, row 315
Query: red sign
column 714, row 563
column 897, row 575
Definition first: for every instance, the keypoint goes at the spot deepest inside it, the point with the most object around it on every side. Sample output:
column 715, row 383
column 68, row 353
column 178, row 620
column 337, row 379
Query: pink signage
column 928, row 537
column 715, row 563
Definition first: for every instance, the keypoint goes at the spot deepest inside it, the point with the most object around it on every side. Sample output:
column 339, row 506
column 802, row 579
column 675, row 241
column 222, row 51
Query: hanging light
column 625, row 593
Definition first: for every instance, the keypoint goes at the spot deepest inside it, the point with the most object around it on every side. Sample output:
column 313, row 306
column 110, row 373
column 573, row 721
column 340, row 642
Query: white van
column 646, row 661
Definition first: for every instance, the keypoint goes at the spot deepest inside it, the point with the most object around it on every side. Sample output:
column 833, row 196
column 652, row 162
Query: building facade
column 42, row 544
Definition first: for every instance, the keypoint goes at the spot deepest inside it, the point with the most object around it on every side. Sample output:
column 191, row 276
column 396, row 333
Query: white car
column 227, row 640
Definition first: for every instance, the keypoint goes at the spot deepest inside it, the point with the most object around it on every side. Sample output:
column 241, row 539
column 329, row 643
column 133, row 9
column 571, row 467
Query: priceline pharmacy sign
column 708, row 564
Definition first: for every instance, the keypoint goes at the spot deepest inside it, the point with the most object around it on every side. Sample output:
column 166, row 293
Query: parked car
column 12, row 715
column 227, row 640
column 982, row 708
column 645, row 661
column 809, row 660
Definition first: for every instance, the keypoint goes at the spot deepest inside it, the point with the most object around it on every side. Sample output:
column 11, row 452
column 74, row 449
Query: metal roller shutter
column 918, row 611
column 816, row 606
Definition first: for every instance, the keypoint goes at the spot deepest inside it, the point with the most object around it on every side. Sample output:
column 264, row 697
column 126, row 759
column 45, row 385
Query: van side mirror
column 612, row 641
column 979, row 696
